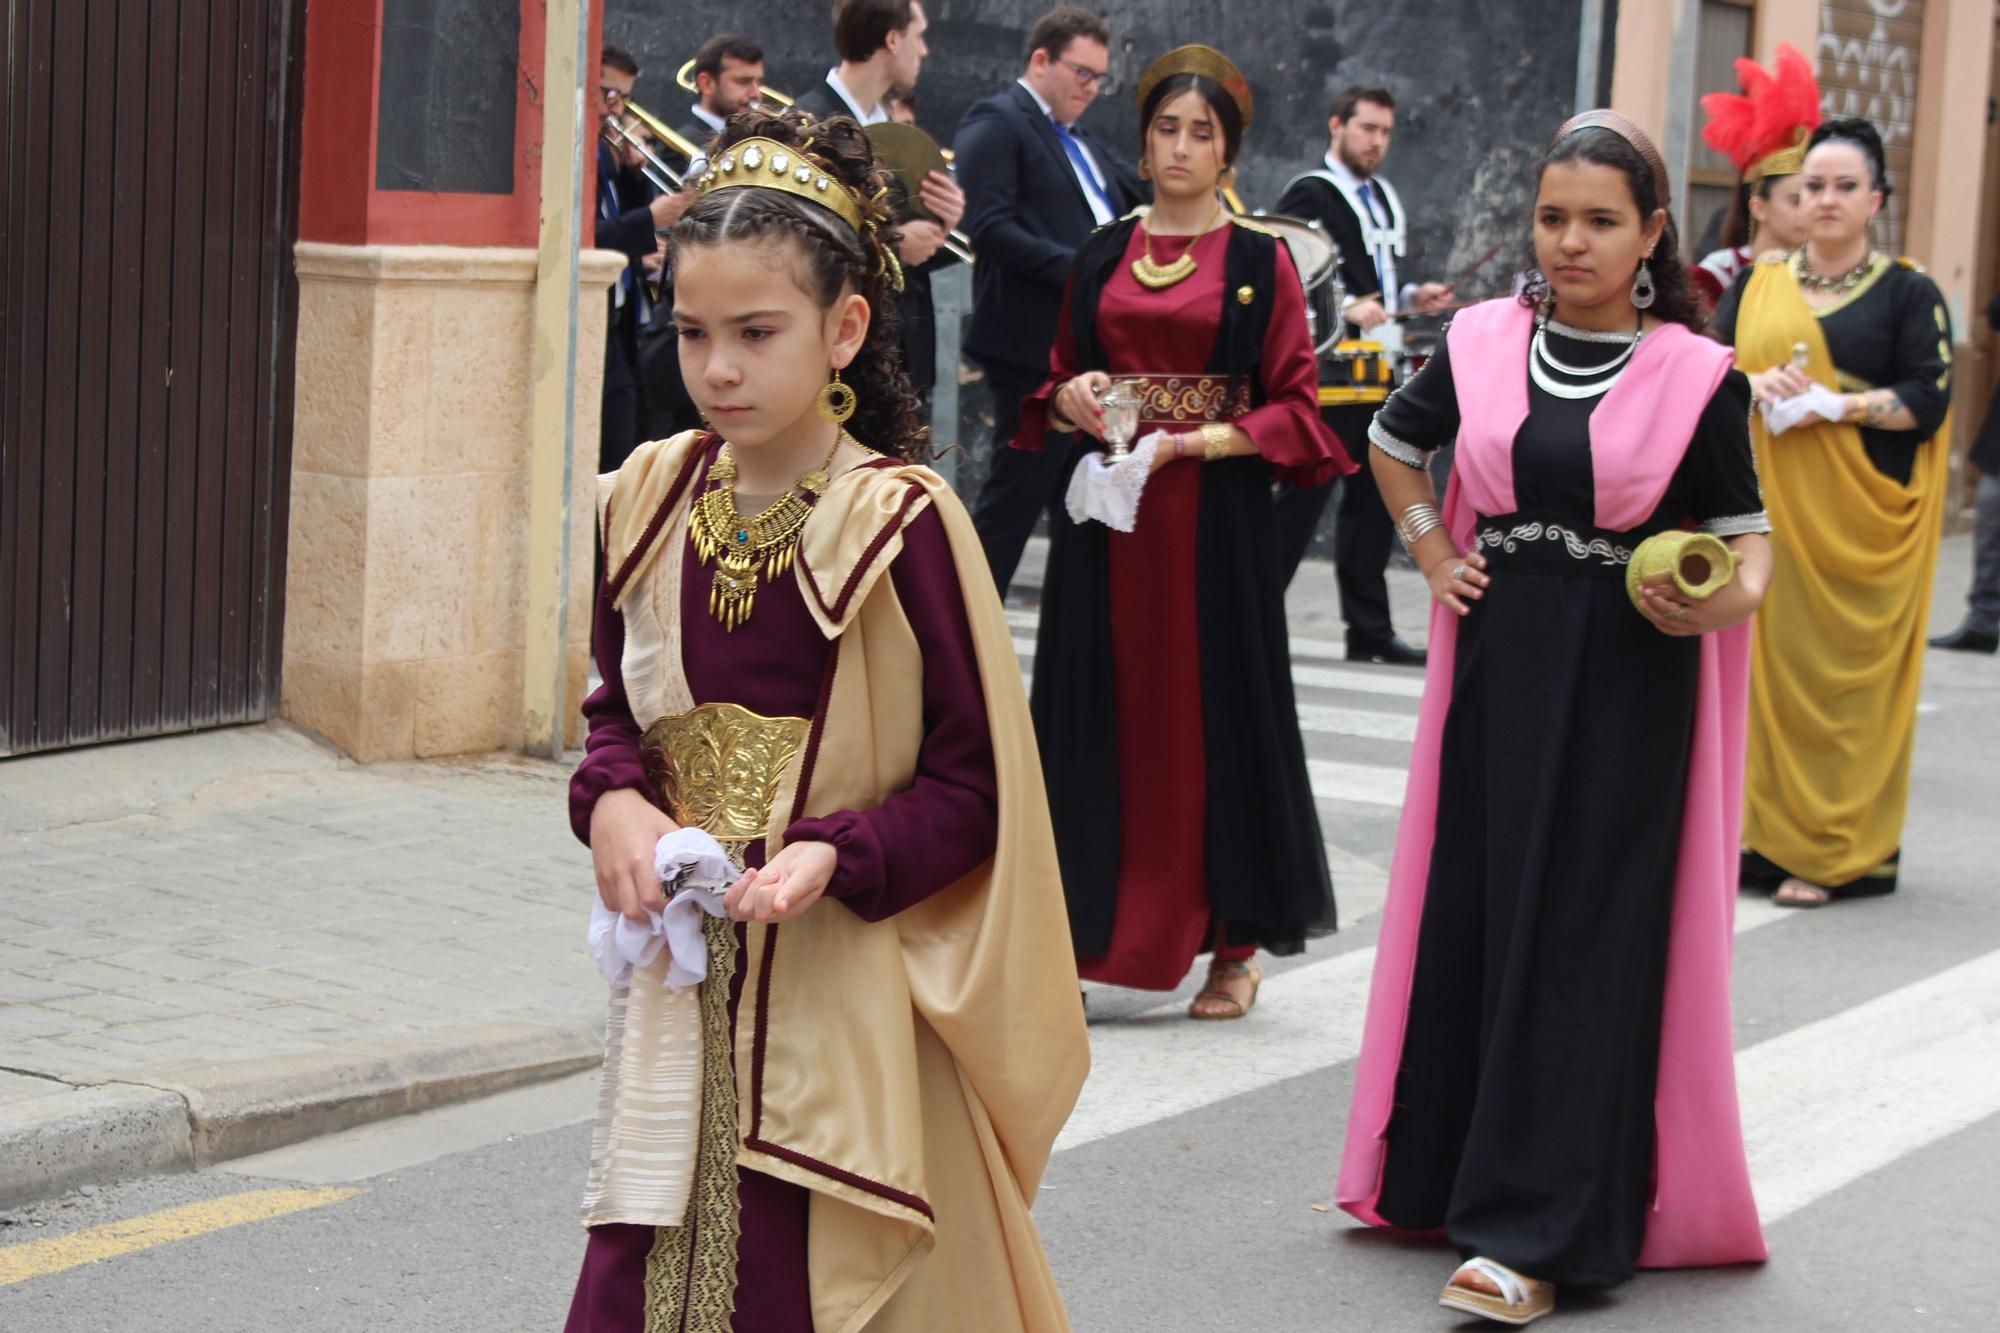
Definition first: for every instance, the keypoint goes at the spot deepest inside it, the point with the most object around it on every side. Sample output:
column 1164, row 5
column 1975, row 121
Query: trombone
column 684, row 76
column 657, row 173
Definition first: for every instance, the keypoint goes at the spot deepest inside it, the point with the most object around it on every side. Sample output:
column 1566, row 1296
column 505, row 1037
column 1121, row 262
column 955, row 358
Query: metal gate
column 145, row 364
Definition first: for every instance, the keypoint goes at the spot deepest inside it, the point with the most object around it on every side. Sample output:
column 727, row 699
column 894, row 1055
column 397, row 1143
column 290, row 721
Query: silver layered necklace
column 1583, row 381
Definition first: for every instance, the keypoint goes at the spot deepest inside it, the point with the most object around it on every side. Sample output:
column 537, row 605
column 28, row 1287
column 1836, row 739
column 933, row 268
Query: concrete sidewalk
column 216, row 944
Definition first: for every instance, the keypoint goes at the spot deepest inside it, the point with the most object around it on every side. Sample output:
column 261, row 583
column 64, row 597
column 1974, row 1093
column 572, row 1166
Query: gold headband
column 1629, row 131
column 1785, row 162
column 767, row 164
column 1210, row 64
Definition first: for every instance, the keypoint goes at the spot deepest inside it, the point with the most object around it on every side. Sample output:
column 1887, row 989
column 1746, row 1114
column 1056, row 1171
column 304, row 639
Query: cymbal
column 910, row 154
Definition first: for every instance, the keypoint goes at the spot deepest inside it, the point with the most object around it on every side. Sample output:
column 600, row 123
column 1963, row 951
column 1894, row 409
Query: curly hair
column 832, row 258
column 1673, row 292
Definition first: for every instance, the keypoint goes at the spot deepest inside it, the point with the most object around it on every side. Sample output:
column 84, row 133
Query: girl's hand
column 624, row 829
column 1076, row 401
column 1459, row 580
column 792, row 881
column 1680, row 616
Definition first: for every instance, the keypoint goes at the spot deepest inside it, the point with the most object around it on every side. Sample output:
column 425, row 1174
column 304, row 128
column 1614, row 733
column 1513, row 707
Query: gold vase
column 1695, row 563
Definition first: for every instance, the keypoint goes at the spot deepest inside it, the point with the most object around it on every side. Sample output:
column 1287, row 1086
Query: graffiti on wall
column 1867, row 65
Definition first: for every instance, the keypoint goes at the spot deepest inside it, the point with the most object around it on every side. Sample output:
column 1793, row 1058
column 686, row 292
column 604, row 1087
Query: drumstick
column 1464, row 274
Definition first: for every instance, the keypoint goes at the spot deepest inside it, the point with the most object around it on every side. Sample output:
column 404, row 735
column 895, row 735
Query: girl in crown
column 844, row 1124
column 1163, row 685
column 1762, row 131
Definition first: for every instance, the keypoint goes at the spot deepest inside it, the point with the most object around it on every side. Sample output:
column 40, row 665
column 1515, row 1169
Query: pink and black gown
column 1162, row 692
column 916, row 843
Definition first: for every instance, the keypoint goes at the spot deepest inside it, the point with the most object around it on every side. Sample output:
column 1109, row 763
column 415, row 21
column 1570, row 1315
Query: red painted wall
column 338, row 201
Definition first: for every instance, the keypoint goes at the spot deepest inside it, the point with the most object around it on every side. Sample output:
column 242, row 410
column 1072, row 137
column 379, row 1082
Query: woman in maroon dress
column 1163, row 692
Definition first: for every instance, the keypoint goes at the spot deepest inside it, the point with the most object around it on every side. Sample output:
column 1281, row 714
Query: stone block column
column 404, row 624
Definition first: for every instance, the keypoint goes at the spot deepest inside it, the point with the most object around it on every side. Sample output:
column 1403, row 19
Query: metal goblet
column 1121, row 403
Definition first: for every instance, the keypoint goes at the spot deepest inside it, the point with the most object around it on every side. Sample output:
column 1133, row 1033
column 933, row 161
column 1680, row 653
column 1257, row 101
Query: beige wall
column 405, row 618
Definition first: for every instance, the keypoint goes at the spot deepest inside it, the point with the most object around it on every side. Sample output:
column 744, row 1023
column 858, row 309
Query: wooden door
column 145, row 364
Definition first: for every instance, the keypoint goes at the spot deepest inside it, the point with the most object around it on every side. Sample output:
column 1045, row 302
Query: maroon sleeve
column 611, row 749
column 1035, row 408
column 946, row 822
column 1287, row 428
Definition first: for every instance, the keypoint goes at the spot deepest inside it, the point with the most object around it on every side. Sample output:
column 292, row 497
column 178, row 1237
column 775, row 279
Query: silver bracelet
column 1417, row 520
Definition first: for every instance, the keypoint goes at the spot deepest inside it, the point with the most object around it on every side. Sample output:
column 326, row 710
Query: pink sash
column 1702, row 1211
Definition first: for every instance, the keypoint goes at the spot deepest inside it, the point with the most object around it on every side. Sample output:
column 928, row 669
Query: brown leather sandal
column 1216, row 994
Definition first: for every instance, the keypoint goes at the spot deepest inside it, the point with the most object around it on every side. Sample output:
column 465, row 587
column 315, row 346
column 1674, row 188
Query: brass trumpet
column 657, row 173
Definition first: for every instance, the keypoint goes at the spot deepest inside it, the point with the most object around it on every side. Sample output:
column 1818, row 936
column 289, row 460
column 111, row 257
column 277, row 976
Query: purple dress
column 918, row 841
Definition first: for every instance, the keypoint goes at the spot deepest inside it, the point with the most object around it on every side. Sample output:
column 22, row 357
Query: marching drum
column 1317, row 259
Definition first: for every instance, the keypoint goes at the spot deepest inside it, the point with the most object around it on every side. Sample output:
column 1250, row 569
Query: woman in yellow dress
column 1855, row 494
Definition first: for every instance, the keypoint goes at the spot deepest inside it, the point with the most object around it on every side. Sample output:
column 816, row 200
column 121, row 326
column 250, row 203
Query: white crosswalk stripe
column 1157, row 1064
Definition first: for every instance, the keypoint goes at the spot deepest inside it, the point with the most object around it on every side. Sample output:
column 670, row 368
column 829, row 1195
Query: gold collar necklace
column 1839, row 283
column 1159, row 277
column 738, row 545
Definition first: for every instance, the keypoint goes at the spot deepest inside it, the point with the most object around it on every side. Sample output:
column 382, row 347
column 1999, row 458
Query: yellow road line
column 38, row 1258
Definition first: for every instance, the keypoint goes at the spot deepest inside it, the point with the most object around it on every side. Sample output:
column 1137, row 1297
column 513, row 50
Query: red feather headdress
column 1764, row 129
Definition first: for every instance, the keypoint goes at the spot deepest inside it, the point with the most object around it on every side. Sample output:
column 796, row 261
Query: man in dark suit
column 881, row 46
column 1035, row 187
column 1365, row 218
column 728, row 76
column 629, row 215
column 1980, row 630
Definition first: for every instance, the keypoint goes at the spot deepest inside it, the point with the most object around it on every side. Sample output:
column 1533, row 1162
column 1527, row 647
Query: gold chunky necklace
column 738, row 545
column 1839, row 283
column 1159, row 277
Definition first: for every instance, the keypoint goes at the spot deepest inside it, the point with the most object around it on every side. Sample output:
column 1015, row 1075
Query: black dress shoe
column 1391, row 651
column 1962, row 639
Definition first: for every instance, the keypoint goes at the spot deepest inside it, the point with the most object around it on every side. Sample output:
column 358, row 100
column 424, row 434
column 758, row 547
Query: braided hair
column 832, row 259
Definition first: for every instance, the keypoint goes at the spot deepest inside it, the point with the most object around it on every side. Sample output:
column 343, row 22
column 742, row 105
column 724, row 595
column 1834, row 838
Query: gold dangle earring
column 836, row 401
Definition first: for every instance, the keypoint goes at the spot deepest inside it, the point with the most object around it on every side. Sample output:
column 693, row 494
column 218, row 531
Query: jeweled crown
column 766, row 164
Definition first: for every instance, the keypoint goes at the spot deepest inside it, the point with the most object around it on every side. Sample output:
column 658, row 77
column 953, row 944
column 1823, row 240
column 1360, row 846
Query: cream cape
column 922, row 1108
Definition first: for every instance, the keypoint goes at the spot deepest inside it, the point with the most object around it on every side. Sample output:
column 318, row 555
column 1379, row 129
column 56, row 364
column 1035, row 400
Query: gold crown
column 766, row 164
column 1785, row 162
column 1210, row 64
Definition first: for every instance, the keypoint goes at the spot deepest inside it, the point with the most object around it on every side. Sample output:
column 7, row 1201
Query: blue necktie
column 1075, row 151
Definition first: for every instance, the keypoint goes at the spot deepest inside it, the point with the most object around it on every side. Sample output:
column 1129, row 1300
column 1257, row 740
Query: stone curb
column 193, row 1116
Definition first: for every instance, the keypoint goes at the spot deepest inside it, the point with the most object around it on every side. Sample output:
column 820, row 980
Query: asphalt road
column 1190, row 1191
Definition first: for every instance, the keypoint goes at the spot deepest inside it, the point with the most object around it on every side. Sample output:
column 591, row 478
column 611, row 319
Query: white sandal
column 1515, row 1304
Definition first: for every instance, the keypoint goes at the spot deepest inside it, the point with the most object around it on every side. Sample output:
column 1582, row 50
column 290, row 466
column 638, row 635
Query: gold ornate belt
column 1188, row 397
column 718, row 767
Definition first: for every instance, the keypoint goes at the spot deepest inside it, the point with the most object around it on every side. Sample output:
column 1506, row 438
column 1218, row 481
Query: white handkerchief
column 1109, row 492
column 697, row 872
column 1786, row 413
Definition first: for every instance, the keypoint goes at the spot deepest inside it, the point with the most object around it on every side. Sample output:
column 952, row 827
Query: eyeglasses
column 1086, row 77
column 612, row 94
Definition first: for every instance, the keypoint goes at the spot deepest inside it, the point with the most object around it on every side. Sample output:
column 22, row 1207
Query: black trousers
column 618, row 417
column 1363, row 533
column 1020, row 483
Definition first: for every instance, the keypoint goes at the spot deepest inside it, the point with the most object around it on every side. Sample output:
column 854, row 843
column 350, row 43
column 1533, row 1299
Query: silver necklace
column 1554, row 325
column 1549, row 359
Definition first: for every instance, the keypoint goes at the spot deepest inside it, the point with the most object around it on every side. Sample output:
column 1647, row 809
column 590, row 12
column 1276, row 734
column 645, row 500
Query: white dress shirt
column 1099, row 210
column 699, row 162
column 874, row 116
column 1394, row 297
